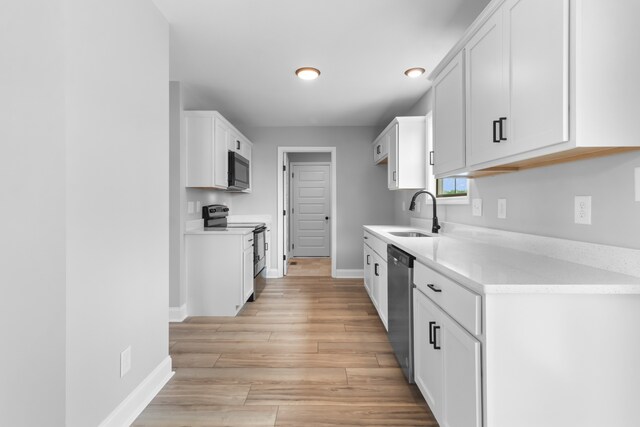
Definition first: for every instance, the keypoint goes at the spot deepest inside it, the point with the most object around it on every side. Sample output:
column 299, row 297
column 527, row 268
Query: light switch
column 637, row 184
column 502, row 208
column 190, row 207
column 476, row 207
column 583, row 210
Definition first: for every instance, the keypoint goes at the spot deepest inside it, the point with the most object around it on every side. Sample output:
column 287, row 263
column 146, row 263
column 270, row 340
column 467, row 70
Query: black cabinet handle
column 433, row 288
column 435, row 338
column 431, row 324
column 250, row 240
column 378, row 149
column 495, row 133
column 238, row 144
column 502, row 120
column 431, row 158
column 368, row 260
column 366, row 238
column 375, row 269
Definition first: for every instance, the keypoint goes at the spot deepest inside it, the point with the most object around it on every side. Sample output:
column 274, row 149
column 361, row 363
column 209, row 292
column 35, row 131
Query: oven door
column 259, row 260
column 238, row 172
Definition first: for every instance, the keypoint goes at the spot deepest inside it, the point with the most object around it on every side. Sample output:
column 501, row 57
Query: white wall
column 362, row 194
column 32, row 212
column 117, row 200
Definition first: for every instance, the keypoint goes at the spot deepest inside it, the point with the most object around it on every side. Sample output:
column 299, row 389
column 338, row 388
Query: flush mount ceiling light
column 308, row 73
column 414, row 72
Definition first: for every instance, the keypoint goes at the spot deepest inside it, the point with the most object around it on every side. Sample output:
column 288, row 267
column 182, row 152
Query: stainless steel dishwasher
column 400, row 285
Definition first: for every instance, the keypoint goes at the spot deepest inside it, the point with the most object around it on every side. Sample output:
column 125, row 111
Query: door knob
column 326, row 218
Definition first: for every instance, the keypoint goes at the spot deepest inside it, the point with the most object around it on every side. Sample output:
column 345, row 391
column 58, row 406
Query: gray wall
column 541, row 201
column 32, row 214
column 362, row 196
column 117, row 155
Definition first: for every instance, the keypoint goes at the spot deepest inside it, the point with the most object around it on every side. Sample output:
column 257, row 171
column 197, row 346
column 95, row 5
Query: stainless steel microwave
column 238, row 172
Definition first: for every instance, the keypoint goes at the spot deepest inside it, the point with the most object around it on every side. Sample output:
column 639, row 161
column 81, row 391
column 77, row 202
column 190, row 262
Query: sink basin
column 408, row 234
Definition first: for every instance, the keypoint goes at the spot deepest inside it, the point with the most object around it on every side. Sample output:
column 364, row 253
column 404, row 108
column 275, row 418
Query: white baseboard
column 349, row 274
column 133, row 405
column 272, row 273
column 178, row 314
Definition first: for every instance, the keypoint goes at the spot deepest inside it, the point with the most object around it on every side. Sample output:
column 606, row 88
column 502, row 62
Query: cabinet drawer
column 247, row 241
column 458, row 302
column 378, row 245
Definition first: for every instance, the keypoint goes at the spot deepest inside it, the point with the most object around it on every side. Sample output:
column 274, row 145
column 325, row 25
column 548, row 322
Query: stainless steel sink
column 408, row 234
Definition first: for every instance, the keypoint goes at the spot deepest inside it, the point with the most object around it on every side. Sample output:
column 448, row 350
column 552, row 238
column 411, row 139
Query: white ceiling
column 239, row 56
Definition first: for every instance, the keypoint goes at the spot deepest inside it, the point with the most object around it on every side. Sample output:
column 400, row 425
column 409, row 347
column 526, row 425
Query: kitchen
column 517, row 307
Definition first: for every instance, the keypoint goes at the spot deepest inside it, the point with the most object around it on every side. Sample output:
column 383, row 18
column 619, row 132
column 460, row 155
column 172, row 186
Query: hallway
column 309, row 351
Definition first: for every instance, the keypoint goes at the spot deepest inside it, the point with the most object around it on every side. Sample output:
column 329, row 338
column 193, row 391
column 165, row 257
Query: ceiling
column 239, row 56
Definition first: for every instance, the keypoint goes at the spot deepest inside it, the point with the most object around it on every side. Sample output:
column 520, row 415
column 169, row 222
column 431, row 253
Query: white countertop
column 219, row 231
column 487, row 268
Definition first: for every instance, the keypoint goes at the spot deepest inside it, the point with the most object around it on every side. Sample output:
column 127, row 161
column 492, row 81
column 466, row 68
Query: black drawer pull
column 238, row 146
column 433, row 288
column 431, row 325
column 375, row 269
column 495, row 133
column 378, row 149
column 366, row 238
column 435, row 336
column 368, row 260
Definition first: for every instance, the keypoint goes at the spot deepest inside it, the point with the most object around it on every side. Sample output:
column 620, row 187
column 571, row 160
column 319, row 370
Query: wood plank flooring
column 310, row 351
column 307, row 267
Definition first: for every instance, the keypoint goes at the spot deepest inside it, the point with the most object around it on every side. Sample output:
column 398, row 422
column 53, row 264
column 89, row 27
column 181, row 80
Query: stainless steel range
column 215, row 217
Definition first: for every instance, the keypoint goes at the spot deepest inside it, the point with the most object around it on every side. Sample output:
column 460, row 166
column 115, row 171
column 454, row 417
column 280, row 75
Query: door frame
column 291, row 227
column 334, row 202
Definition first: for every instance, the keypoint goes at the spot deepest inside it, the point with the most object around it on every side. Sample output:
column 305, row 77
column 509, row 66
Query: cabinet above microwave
column 209, row 140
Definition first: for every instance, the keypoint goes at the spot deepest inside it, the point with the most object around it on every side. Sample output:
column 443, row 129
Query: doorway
column 307, row 211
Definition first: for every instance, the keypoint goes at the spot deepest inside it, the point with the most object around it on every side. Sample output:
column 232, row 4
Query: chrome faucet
column 435, row 226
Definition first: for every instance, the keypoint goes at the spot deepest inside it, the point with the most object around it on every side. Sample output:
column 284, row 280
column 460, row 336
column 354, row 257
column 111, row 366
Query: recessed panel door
column 311, row 207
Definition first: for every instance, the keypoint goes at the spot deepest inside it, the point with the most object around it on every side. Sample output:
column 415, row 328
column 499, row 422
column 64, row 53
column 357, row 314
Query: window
column 451, row 187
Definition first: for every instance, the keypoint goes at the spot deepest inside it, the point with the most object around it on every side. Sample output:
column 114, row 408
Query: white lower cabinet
column 375, row 276
column 447, row 365
column 247, row 272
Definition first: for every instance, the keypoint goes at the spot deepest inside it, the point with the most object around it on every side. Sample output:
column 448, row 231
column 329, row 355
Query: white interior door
column 285, row 225
column 311, row 209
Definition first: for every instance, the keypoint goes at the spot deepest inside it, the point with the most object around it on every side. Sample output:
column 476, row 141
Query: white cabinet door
column 427, row 357
column 486, row 93
column 449, row 118
column 375, row 283
column 247, row 274
column 537, row 53
column 220, row 158
column 381, row 149
column 462, row 383
column 392, row 171
column 368, row 268
column 383, row 290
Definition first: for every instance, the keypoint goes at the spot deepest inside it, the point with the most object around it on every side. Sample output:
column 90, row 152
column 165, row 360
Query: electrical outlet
column 198, row 206
column 583, row 210
column 190, row 207
column 637, row 184
column 476, row 207
column 418, row 207
column 125, row 361
column 502, row 208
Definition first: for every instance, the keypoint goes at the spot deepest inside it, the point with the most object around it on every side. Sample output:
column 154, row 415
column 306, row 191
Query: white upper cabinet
column 545, row 81
column 517, row 68
column 209, row 138
column 405, row 138
column 449, row 118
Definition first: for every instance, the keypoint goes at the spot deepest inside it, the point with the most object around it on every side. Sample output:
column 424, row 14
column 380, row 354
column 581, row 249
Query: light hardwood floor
column 306, row 267
column 307, row 352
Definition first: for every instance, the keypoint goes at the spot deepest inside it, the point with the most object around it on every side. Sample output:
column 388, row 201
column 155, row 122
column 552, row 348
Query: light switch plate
column 637, row 184
column 404, row 206
column 582, row 210
column 418, row 207
column 476, row 207
column 198, row 206
column 190, row 207
column 125, row 361
column 502, row 208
